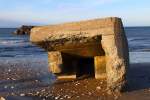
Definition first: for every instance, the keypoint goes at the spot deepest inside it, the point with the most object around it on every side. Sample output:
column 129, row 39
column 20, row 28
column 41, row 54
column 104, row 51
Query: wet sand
column 35, row 83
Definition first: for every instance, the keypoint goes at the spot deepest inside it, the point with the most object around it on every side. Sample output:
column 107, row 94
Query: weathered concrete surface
column 100, row 67
column 55, row 61
column 101, row 39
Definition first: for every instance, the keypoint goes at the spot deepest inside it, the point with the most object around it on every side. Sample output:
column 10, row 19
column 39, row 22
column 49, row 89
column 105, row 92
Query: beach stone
column 22, row 94
column 5, row 86
column 96, row 48
column 12, row 87
column 98, row 88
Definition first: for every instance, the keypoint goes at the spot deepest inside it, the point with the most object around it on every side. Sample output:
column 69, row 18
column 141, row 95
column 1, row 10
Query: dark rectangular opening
column 85, row 67
column 81, row 66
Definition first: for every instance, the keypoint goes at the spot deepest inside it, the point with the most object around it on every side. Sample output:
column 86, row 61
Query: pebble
column 73, row 91
column 22, row 94
column 30, row 93
column 90, row 93
column 98, row 87
column 78, row 96
column 9, row 70
column 56, row 98
column 43, row 90
column 12, row 93
column 36, row 80
column 8, row 78
column 12, row 87
column 116, row 97
column 37, row 92
column 77, row 84
column 65, row 96
column 13, row 79
column 69, row 97
column 5, row 86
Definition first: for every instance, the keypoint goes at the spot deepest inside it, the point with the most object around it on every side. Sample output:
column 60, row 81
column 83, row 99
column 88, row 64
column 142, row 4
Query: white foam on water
column 13, row 42
column 139, row 57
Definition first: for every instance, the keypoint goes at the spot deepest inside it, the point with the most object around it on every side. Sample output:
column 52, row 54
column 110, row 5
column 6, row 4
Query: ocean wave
column 139, row 48
column 7, row 55
column 8, row 43
column 12, row 41
column 145, row 50
column 139, row 57
column 138, row 39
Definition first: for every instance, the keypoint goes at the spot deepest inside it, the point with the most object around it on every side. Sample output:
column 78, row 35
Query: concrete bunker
column 94, row 48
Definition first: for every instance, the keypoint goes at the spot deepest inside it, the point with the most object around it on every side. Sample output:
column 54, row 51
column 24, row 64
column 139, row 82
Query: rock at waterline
column 23, row 30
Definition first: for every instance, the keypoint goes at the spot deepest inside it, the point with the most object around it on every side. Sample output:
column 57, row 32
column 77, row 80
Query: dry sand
column 35, row 83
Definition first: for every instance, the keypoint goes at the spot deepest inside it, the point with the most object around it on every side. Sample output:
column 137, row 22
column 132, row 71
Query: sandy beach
column 74, row 50
column 35, row 83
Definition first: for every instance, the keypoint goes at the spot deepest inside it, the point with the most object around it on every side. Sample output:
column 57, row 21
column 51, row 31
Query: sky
column 14, row 13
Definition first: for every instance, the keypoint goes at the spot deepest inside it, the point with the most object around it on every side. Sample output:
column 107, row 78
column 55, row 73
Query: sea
column 18, row 49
